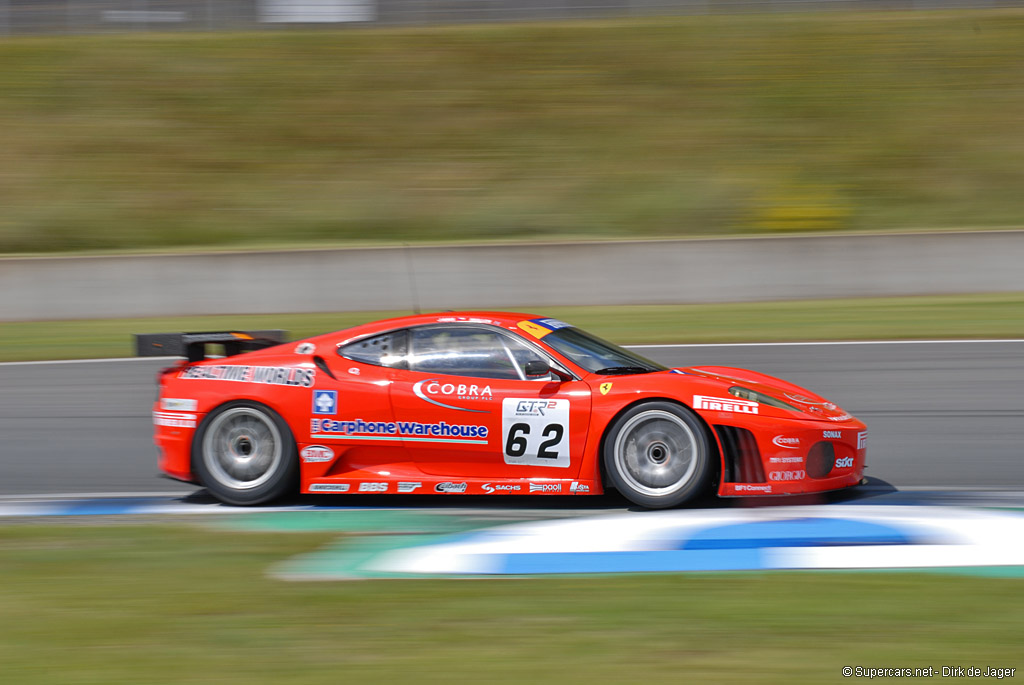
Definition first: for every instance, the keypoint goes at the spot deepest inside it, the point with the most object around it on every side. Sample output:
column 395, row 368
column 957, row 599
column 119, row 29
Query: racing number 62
column 516, row 444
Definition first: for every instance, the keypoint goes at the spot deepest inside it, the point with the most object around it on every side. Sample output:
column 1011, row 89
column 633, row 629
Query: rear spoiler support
column 193, row 345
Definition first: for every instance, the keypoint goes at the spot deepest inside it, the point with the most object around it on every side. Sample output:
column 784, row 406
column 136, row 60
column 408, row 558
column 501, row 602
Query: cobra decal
column 462, row 391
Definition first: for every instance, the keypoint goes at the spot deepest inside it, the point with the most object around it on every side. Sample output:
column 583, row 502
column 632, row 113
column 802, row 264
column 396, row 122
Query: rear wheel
column 245, row 454
column 658, row 455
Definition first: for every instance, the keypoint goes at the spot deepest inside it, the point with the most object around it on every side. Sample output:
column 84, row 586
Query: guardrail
column 103, row 16
column 505, row 276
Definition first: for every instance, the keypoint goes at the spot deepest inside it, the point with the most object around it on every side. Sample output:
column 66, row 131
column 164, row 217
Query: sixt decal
column 397, row 430
column 428, row 389
column 724, row 404
column 266, row 375
column 174, row 419
column 316, row 453
column 844, row 463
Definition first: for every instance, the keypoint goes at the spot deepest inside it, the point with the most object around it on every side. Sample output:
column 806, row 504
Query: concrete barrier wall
column 505, row 276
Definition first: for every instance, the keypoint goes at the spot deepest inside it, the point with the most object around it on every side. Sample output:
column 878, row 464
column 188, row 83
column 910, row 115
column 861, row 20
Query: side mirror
column 536, row 368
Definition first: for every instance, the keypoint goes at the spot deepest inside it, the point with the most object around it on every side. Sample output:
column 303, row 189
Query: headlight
column 759, row 397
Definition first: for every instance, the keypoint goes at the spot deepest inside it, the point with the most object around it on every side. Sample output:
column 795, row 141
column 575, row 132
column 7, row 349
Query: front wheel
column 658, row 455
column 245, row 454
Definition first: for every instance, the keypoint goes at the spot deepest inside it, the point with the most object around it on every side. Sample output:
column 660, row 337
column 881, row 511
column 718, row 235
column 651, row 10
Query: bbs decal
column 535, row 432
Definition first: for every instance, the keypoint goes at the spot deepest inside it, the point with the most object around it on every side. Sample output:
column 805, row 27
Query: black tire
column 245, row 454
column 658, row 455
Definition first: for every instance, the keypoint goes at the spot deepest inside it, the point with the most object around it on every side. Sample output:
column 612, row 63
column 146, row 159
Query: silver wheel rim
column 656, row 453
column 242, row 448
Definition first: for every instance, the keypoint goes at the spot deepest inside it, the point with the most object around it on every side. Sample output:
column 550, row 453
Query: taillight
column 163, row 374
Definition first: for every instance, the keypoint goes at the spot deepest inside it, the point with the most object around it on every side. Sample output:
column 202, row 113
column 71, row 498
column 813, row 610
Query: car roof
column 492, row 318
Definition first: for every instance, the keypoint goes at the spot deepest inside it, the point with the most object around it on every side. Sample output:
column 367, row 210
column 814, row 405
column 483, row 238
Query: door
column 468, row 409
column 351, row 413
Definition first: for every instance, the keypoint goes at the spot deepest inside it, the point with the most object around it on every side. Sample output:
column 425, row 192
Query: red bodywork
column 398, row 431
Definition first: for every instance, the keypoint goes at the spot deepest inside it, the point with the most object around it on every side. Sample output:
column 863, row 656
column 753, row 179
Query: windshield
column 596, row 355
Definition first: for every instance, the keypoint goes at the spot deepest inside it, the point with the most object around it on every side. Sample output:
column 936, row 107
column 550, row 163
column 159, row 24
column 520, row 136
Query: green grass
column 656, row 127
column 172, row 604
column 960, row 316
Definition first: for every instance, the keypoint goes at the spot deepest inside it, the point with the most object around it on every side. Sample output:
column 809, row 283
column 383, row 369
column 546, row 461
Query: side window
column 521, row 354
column 388, row 349
column 467, row 351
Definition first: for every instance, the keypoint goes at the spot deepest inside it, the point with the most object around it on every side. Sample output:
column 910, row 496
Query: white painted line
column 66, row 496
column 89, row 361
column 634, row 347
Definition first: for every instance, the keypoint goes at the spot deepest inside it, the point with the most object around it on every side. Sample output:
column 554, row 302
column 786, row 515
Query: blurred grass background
column 955, row 316
column 175, row 604
column 658, row 127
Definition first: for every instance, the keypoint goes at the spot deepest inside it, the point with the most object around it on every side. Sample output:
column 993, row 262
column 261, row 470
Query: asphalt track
column 940, row 414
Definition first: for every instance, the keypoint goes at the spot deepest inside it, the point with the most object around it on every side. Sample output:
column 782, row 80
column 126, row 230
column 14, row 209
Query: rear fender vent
column 741, row 456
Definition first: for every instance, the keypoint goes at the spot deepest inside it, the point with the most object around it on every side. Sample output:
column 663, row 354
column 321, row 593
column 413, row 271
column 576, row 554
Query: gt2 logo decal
column 267, row 375
column 535, row 432
column 534, row 407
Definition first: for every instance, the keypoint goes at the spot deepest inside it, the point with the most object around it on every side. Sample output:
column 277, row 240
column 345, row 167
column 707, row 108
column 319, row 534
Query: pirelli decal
column 724, row 404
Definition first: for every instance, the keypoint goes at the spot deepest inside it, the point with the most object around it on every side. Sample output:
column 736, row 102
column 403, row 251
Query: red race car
column 485, row 403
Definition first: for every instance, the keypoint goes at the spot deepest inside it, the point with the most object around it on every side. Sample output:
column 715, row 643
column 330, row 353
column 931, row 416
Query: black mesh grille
column 741, row 456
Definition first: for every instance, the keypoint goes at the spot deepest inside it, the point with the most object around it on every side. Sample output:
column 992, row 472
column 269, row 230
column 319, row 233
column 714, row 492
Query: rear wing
column 193, row 345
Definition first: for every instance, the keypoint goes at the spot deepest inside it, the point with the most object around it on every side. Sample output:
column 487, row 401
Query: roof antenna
column 412, row 279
